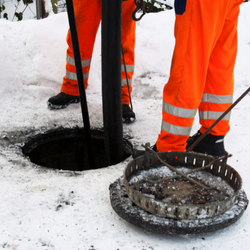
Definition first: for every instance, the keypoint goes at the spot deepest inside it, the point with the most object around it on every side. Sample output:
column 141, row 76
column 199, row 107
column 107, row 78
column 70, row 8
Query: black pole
column 80, row 80
column 111, row 80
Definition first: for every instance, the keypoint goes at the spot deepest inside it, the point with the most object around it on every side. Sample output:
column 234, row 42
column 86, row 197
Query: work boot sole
column 128, row 120
column 55, row 106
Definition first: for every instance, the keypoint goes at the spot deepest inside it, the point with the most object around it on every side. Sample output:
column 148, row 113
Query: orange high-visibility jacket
column 201, row 75
column 88, row 17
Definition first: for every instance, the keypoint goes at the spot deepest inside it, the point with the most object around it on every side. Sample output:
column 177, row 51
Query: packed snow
column 43, row 208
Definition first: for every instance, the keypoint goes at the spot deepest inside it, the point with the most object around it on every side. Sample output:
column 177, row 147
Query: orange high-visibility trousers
column 201, row 75
column 88, row 17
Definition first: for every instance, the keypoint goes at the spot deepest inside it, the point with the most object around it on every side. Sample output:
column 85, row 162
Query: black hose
column 111, row 80
column 80, row 80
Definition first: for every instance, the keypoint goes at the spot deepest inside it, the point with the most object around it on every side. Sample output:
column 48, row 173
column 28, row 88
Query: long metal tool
column 218, row 120
column 80, row 80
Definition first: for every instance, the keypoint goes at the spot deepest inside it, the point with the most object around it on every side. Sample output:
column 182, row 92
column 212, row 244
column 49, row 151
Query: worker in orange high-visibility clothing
column 88, row 17
column 201, row 75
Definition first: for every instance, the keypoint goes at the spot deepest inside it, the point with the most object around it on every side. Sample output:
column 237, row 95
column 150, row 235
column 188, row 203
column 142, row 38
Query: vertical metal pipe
column 38, row 9
column 111, row 80
column 80, row 80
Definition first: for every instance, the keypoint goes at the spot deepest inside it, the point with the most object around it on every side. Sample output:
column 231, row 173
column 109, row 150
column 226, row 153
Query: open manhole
column 66, row 149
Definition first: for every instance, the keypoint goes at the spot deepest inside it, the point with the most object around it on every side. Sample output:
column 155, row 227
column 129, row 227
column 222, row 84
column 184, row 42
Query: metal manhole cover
column 181, row 199
column 137, row 216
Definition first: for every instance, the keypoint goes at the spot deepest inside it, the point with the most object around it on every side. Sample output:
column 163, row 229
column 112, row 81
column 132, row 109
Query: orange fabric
column 128, row 43
column 203, row 62
column 125, row 94
column 88, row 17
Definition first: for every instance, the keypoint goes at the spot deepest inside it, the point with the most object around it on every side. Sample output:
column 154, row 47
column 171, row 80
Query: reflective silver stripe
column 129, row 68
column 71, row 61
column 213, row 115
column 219, row 99
column 72, row 76
column 220, row 140
column 179, row 112
column 124, row 82
column 176, row 130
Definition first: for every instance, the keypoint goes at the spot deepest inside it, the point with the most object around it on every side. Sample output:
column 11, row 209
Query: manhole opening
column 66, row 149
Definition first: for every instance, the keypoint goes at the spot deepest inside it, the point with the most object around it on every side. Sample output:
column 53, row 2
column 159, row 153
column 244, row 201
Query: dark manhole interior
column 65, row 149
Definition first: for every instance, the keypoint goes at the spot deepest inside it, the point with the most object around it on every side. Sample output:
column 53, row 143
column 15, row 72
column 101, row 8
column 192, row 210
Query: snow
column 50, row 209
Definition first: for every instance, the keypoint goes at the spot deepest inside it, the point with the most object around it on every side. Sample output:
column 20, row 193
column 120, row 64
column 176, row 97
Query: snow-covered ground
column 42, row 208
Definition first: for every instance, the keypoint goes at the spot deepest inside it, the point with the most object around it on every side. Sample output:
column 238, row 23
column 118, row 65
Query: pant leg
column 218, row 92
column 88, row 16
column 128, row 43
column 198, row 27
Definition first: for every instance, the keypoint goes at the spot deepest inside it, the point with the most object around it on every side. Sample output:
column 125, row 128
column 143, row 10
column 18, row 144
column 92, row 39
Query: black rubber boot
column 210, row 145
column 128, row 116
column 62, row 100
